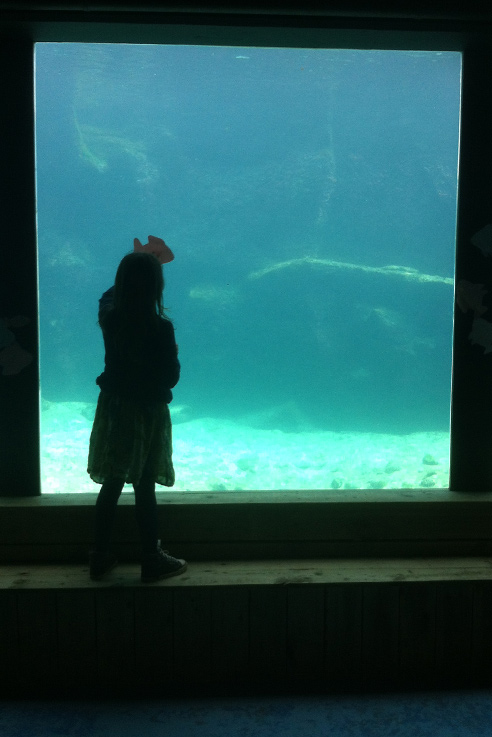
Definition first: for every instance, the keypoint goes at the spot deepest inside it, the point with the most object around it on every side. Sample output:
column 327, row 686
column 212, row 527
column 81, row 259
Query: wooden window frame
column 249, row 524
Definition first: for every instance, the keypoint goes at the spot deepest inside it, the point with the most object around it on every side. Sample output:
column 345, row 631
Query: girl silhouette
column 131, row 438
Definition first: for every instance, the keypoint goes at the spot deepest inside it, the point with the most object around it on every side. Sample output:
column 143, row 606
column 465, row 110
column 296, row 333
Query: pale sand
column 218, row 455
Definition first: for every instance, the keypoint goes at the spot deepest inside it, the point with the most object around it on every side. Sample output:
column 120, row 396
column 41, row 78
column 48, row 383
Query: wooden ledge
column 255, row 573
column 264, row 498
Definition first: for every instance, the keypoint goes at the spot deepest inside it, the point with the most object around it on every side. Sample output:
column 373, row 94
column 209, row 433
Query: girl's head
column 138, row 287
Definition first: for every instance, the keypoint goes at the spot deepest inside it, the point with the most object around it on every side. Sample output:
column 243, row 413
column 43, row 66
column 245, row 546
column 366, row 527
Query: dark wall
column 19, row 392
column 349, row 23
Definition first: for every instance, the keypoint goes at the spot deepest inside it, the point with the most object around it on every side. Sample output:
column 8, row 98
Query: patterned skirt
column 128, row 437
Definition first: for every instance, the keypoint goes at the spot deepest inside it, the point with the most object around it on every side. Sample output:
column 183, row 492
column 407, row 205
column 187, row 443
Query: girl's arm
column 170, row 366
column 106, row 302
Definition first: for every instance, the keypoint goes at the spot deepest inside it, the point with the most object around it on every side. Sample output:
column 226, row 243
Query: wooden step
column 251, row 573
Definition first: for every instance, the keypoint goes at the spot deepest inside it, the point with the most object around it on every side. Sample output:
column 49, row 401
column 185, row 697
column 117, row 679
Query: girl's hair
column 138, row 287
column 137, row 302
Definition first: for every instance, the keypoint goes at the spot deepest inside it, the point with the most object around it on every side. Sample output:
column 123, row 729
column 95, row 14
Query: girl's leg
column 106, row 512
column 146, row 513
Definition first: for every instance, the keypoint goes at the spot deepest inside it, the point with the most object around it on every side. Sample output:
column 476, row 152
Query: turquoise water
column 309, row 197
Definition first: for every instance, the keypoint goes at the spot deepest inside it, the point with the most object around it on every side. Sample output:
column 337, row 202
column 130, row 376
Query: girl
column 131, row 439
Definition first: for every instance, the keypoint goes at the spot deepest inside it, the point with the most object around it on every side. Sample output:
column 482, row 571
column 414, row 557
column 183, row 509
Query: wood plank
column 38, row 657
column 254, row 572
column 247, row 498
column 154, row 638
column 230, row 635
column 305, row 633
column 40, row 553
column 76, row 634
column 268, row 635
column 9, row 643
column 380, row 633
column 115, row 636
column 482, row 635
column 273, row 524
column 417, row 635
column 192, row 636
column 343, row 637
column 454, row 620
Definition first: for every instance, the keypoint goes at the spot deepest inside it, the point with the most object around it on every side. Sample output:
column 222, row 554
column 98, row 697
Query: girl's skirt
column 129, row 437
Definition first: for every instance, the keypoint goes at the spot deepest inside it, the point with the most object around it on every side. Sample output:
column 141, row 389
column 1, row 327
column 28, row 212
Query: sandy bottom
column 216, row 455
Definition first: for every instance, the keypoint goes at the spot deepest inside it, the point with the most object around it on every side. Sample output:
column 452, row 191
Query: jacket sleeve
column 170, row 365
column 106, row 302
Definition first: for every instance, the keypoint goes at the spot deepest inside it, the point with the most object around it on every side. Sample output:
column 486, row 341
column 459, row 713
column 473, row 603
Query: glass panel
column 309, row 197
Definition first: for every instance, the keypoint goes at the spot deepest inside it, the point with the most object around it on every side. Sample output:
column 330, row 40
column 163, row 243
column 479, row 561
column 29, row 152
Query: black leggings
column 145, row 510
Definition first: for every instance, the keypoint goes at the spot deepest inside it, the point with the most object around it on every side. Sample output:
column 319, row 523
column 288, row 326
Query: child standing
column 131, row 438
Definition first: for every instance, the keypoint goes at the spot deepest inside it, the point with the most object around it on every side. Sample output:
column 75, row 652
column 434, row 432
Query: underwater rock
column 217, row 486
column 87, row 410
column 429, row 474
column 45, row 404
column 429, row 460
column 180, row 413
column 387, row 317
column 97, row 146
column 427, row 483
column 407, row 272
column 86, row 153
column 247, row 463
column 214, row 295
column 391, row 467
column 287, row 417
column 66, row 416
column 336, row 483
column 66, row 252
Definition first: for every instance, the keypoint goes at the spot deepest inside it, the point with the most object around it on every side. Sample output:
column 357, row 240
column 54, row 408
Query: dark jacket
column 150, row 376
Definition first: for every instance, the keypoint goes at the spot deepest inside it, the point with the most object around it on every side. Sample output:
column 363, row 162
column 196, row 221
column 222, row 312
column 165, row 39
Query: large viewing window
column 309, row 196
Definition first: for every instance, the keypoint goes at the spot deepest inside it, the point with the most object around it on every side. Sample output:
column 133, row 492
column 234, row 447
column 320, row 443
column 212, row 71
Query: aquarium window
column 309, row 196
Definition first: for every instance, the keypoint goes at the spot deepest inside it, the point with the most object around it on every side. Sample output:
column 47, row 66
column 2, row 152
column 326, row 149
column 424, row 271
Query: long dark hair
column 137, row 302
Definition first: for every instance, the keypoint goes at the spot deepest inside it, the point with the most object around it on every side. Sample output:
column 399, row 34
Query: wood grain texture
column 258, row 627
column 9, row 641
column 305, row 632
column 417, row 648
column 192, row 613
column 289, row 525
column 230, row 634
column 268, row 635
column 380, row 635
column 343, row 636
column 115, row 633
column 154, row 637
column 38, row 651
column 482, row 634
column 253, row 573
column 454, row 623
column 76, row 640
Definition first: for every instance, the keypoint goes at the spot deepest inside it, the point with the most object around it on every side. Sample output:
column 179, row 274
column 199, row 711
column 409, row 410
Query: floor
column 440, row 714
